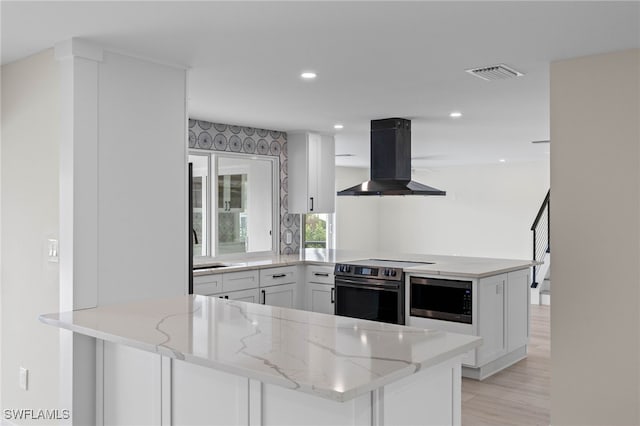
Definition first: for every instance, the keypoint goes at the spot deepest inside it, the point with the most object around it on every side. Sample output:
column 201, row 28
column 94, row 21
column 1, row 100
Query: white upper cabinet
column 311, row 173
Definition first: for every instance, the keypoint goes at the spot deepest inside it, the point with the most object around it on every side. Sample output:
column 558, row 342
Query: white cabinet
column 283, row 295
column 311, row 173
column 207, row 284
column 517, row 306
column 277, row 276
column 321, row 298
column 226, row 283
column 251, row 295
column 500, row 316
column 491, row 324
column 319, row 289
column 278, row 286
column 242, row 280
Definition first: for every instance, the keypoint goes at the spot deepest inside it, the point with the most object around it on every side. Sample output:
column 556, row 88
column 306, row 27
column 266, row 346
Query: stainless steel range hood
column 391, row 162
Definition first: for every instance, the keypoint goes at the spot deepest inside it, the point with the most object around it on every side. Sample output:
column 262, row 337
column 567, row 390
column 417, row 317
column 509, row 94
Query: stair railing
column 541, row 236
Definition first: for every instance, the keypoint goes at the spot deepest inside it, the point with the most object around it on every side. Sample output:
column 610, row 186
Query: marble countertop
column 459, row 266
column 333, row 357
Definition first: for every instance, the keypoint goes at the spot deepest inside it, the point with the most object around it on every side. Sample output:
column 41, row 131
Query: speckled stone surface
column 333, row 357
column 458, row 266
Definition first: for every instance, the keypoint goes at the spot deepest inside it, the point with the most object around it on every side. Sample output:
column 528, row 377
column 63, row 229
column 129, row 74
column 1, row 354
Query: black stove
column 372, row 289
column 376, row 268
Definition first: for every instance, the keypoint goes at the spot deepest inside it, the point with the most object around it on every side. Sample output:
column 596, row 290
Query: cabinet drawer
column 319, row 274
column 242, row 280
column 277, row 276
column 207, row 284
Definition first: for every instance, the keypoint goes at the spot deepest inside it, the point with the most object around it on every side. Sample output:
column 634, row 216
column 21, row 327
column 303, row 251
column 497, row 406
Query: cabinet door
column 311, row 173
column 244, row 295
column 321, row 298
column 313, row 170
column 517, row 309
column 279, row 295
column 278, row 276
column 319, row 274
column 491, row 321
column 325, row 176
column 207, row 284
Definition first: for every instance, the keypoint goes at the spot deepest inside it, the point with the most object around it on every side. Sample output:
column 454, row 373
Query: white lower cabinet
column 319, row 289
column 321, row 298
column 251, row 295
column 500, row 316
column 491, row 324
column 283, row 295
column 226, row 284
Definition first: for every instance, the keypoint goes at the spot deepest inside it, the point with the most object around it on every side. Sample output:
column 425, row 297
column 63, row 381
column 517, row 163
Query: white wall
column 142, row 184
column 487, row 212
column 356, row 219
column 30, row 140
column 595, row 221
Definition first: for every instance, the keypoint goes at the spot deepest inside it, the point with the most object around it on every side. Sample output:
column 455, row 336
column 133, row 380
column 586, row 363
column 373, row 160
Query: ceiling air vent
column 495, row 72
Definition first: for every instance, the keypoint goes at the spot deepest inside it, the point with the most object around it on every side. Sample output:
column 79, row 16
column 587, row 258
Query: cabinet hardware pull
column 279, row 275
column 264, row 296
column 333, row 295
column 226, row 297
column 321, row 274
column 311, row 204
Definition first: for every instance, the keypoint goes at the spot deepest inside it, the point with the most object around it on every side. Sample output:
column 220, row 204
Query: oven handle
column 368, row 284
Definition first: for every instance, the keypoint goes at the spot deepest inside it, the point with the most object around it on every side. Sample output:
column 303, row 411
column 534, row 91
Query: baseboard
column 491, row 368
column 535, row 296
column 545, row 299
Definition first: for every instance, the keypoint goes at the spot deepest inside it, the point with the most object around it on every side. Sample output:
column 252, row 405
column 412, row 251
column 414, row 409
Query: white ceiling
column 373, row 59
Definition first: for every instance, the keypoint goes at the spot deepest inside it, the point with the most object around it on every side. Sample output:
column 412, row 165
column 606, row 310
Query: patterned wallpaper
column 249, row 140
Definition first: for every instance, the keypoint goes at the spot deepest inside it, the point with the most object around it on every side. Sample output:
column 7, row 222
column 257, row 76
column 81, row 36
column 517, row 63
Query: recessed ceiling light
column 338, row 126
column 455, row 114
column 502, row 160
column 308, row 75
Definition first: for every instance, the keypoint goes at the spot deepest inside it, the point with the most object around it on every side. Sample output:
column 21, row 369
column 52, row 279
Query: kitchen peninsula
column 204, row 360
column 497, row 304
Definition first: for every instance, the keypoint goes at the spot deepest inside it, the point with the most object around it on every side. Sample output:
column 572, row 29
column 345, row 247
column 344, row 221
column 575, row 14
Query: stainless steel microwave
column 442, row 299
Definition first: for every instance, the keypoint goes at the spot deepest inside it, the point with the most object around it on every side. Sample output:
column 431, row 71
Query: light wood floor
column 518, row 395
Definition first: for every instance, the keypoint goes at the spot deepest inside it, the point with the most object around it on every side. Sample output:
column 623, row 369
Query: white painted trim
column 242, row 396
column 99, row 382
column 255, row 402
column 165, row 392
column 147, row 59
column 78, row 48
column 377, row 407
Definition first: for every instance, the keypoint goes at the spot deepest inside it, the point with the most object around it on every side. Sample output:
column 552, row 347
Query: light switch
column 52, row 250
column 24, row 378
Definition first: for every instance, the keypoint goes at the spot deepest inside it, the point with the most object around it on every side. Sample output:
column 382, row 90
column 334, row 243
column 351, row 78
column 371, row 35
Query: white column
column 123, row 200
column 78, row 219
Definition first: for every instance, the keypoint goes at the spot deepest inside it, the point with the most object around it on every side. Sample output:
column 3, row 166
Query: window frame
column 331, row 239
column 212, row 198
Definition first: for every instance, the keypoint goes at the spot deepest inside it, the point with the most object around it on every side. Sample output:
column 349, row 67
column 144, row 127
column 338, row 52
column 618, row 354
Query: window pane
column 200, row 202
column 315, row 230
column 245, row 205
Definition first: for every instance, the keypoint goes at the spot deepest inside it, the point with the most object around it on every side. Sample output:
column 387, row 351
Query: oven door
column 368, row 299
column 442, row 299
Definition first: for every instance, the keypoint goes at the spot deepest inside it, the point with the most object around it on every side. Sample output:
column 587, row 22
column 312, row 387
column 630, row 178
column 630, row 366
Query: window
column 236, row 203
column 318, row 230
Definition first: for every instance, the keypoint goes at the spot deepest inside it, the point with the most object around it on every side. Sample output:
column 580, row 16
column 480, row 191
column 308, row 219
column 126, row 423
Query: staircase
column 540, row 282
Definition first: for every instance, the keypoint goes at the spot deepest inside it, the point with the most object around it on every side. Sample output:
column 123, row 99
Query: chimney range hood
column 391, row 162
